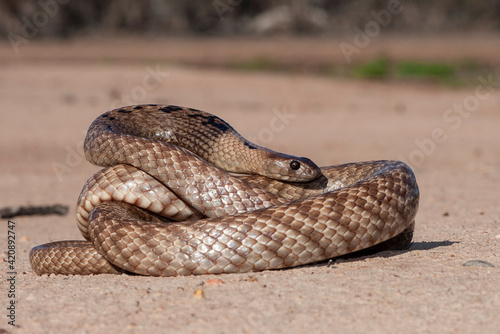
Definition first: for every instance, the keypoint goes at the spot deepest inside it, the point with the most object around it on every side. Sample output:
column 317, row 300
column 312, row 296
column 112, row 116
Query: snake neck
column 204, row 135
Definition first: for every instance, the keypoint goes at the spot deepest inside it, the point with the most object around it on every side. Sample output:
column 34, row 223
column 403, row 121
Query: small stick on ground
column 11, row 212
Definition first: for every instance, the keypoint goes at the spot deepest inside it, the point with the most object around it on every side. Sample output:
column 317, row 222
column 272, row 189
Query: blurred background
column 447, row 41
column 70, row 18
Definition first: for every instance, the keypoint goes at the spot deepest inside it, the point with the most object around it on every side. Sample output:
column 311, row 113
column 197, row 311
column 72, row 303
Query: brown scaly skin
column 216, row 222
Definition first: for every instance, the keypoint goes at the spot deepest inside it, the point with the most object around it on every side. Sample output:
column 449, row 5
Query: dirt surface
column 449, row 136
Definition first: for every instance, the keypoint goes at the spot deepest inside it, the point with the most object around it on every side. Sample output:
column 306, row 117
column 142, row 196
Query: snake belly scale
column 169, row 201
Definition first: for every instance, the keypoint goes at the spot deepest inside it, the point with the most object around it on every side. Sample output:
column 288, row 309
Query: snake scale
column 182, row 193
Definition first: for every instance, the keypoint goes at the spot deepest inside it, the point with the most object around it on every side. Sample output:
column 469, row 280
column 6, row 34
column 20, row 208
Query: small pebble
column 497, row 237
column 214, row 281
column 198, row 293
column 478, row 263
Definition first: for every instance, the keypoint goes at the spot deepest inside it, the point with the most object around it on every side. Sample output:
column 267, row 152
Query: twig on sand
column 11, row 212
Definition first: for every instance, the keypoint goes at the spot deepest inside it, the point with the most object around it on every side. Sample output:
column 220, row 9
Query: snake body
column 168, row 201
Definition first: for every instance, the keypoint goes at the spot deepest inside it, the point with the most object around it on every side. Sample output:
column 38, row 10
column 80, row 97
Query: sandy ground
column 449, row 136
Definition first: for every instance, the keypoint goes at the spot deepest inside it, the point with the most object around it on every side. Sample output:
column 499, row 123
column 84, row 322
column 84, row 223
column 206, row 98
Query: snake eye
column 294, row 165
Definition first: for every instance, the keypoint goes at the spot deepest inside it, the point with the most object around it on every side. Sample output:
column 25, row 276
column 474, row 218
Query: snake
column 181, row 192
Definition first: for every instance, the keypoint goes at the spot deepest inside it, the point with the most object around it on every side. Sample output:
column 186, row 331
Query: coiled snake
column 169, row 202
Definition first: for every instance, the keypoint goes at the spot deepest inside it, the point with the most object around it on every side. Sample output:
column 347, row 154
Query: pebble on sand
column 478, row 263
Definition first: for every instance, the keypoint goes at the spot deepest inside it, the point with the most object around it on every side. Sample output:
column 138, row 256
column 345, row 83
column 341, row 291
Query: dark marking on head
column 169, row 109
column 105, row 115
column 294, row 165
column 152, row 105
column 111, row 118
column 137, row 107
column 247, row 144
column 195, row 110
column 125, row 111
column 110, row 128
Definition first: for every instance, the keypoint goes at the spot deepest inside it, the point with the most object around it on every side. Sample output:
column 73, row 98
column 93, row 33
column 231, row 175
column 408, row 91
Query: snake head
column 290, row 168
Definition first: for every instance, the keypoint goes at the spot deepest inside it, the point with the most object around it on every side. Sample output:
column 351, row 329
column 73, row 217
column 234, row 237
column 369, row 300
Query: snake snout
column 309, row 170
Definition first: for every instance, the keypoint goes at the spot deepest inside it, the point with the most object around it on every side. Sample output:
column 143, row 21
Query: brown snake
column 168, row 202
